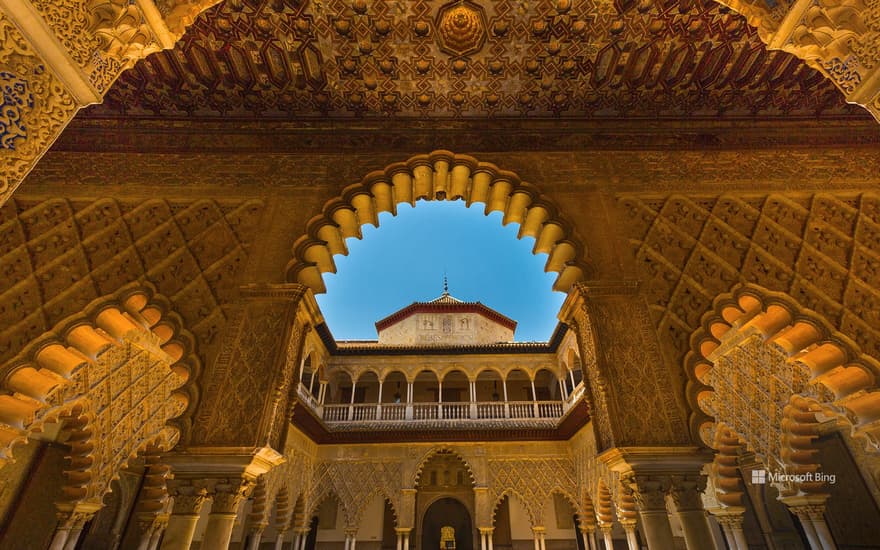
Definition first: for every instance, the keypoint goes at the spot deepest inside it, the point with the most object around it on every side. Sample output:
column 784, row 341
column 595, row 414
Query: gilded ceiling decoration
column 510, row 58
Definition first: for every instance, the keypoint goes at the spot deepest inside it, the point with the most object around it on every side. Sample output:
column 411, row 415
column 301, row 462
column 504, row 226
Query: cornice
column 159, row 134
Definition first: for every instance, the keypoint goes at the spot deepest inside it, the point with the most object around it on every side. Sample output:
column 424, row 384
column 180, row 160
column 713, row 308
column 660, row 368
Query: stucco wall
column 445, row 328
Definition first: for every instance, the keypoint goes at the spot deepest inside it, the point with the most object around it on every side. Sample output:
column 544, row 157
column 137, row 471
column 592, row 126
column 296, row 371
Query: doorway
column 447, row 512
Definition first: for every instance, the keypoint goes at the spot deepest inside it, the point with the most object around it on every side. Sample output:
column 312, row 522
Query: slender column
column 188, row 501
column 649, row 493
column 731, row 522
column 587, row 535
column 685, row 492
column 629, row 527
column 303, row 539
column 571, row 377
column 70, row 525
column 543, row 542
column 606, row 536
column 483, row 539
column 151, row 527
column 409, row 401
column 279, row 541
column 562, row 389
column 256, row 535
column 537, row 538
column 157, row 535
column 399, row 540
column 296, row 538
column 506, row 403
column 406, row 540
column 810, row 511
column 228, row 495
column 489, row 535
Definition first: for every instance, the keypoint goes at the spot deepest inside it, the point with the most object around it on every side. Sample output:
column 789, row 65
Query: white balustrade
column 395, row 411
column 336, row 413
column 492, row 410
column 525, row 409
column 425, row 411
column 487, row 411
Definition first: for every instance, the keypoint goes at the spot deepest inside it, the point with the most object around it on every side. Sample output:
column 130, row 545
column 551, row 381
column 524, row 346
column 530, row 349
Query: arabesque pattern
column 111, row 377
column 762, row 365
column 821, row 249
column 56, row 256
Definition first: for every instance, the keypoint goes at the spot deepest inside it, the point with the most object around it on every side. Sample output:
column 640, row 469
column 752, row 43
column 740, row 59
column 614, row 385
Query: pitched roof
column 446, row 303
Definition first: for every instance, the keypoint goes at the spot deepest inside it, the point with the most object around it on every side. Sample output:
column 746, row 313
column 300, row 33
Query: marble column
column 150, row 527
column 227, row 495
column 70, row 526
column 629, row 527
column 188, row 501
column 731, row 522
column 649, row 492
column 256, row 536
column 686, row 493
column 279, row 541
column 606, row 536
column 588, row 533
column 489, row 536
column 810, row 511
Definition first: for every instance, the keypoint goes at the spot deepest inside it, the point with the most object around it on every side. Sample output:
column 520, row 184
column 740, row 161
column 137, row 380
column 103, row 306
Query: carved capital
column 648, row 491
column 228, row 494
column 686, row 491
column 188, row 496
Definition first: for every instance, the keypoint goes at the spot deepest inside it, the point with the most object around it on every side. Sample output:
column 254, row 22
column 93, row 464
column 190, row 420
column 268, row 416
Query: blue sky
column 403, row 260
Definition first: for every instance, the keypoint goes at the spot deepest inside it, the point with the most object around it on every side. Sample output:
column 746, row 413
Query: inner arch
column 440, row 175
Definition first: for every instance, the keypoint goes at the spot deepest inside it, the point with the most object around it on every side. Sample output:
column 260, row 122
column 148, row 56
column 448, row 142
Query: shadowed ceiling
column 596, row 59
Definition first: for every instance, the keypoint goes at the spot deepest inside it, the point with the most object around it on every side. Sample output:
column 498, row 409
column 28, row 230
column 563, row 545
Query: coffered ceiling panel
column 462, row 59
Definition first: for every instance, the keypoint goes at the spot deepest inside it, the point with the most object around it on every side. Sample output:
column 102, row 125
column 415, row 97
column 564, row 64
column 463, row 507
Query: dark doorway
column 447, row 512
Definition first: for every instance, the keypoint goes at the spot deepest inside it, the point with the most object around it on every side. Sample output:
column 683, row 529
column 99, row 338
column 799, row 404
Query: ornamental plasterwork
column 105, row 378
column 41, row 91
column 58, row 255
column 822, row 249
column 765, row 368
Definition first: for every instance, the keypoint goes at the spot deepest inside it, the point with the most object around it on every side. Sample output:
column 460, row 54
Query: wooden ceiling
column 424, row 59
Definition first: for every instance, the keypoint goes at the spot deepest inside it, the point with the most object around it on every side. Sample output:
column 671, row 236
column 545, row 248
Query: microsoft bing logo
column 761, row 477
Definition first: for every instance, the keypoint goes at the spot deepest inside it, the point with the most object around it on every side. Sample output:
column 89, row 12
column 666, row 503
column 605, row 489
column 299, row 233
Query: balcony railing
column 479, row 414
column 396, row 412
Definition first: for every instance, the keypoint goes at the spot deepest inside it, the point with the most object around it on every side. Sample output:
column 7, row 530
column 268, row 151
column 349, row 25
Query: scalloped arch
column 44, row 384
column 507, row 493
column 437, row 451
column 843, row 381
column 440, row 175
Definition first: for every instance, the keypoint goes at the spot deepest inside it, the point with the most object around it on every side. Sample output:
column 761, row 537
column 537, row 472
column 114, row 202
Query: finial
column 445, row 285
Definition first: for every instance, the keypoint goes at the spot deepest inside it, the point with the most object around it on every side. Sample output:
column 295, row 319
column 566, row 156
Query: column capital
column 588, row 528
column 149, row 522
column 811, row 507
column 648, row 491
column 402, row 530
column 686, row 491
column 228, row 494
column 189, row 496
column 75, row 516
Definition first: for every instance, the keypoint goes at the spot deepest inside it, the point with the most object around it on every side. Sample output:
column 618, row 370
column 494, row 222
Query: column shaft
column 658, row 531
column 180, row 531
column 697, row 534
column 218, row 532
column 631, row 541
